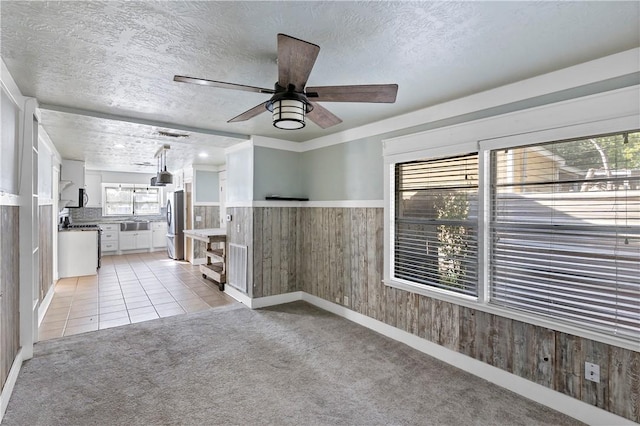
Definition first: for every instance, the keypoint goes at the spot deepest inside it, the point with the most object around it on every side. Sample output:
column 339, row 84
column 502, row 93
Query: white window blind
column 435, row 233
column 565, row 231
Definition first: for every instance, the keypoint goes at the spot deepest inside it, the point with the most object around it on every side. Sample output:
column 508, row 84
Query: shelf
column 215, row 271
column 217, row 254
column 278, row 198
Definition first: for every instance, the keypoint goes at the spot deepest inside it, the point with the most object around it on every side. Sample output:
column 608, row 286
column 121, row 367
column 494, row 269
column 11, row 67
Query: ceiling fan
column 291, row 100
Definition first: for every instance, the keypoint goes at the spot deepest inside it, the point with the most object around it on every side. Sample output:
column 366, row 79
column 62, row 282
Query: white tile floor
column 128, row 289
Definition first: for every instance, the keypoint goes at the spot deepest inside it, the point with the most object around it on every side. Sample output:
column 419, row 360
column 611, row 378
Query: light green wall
column 348, row 171
column 240, row 175
column 206, row 185
column 277, row 172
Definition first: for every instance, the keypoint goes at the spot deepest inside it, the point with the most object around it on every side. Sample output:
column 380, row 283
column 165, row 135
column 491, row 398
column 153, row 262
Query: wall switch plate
column 592, row 372
column 198, row 218
column 346, row 300
column 238, row 228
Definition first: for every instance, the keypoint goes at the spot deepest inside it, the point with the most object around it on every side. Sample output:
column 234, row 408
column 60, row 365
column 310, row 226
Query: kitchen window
column 130, row 200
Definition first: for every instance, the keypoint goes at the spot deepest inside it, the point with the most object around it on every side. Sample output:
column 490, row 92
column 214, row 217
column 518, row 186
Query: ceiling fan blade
column 375, row 93
column 221, row 84
column 295, row 61
column 256, row 110
column 322, row 116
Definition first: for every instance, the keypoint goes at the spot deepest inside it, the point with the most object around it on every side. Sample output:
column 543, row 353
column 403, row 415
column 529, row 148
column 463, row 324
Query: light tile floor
column 128, row 289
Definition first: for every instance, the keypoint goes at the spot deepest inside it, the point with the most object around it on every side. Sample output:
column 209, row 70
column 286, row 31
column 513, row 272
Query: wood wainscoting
column 9, row 289
column 45, row 250
column 210, row 218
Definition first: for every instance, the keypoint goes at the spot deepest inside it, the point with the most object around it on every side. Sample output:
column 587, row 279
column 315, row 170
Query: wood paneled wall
column 339, row 257
column 9, row 289
column 276, row 242
column 45, row 250
column 210, row 219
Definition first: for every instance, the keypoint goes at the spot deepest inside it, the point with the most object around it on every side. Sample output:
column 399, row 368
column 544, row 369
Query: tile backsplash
column 94, row 214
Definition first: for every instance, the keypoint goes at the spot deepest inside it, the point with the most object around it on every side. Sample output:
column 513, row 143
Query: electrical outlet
column 238, row 228
column 346, row 300
column 198, row 218
column 592, row 372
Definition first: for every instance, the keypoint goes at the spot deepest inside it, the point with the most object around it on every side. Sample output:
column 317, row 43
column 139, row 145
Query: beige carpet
column 292, row 364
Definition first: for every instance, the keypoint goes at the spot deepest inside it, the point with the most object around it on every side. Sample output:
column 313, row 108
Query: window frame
column 609, row 112
column 133, row 187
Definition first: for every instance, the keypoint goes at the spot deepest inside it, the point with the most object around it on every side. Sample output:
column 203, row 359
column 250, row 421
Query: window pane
column 566, row 231
column 146, row 201
column 118, row 200
column 436, row 213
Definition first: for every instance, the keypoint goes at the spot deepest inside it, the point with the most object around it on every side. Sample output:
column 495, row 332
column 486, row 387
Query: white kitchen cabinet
column 93, row 187
column 158, row 235
column 135, row 240
column 77, row 253
column 109, row 238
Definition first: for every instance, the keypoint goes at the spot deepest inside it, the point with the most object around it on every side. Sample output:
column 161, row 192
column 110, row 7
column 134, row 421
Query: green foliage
column 583, row 154
column 453, row 239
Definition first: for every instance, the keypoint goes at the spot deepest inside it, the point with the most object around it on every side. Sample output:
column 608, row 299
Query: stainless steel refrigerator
column 175, row 225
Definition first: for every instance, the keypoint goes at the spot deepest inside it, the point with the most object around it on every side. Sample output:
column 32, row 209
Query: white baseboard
column 199, row 261
column 7, row 390
column 262, row 302
column 44, row 305
column 538, row 393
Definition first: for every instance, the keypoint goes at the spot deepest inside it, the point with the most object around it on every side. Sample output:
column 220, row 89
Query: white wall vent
column 238, row 267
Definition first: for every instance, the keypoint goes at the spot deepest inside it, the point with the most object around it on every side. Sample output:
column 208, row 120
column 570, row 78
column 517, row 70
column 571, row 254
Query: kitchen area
column 123, row 256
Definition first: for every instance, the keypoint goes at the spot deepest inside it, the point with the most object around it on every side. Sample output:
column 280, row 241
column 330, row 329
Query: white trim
column 7, row 390
column 45, row 201
column 44, row 305
column 239, row 147
column 232, row 204
column 11, row 88
column 199, row 261
column 346, row 204
column 560, row 402
column 263, row 302
column 7, row 199
column 278, row 299
column 595, row 71
column 238, row 295
column 280, row 144
column 319, row 204
column 586, row 110
column 46, row 140
column 206, row 204
column 207, row 168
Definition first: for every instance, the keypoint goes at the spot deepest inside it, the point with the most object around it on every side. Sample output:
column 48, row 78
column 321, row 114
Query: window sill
column 473, row 303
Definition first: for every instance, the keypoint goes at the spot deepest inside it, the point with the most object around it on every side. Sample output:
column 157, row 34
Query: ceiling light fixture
column 118, row 145
column 288, row 109
column 203, row 155
column 163, row 177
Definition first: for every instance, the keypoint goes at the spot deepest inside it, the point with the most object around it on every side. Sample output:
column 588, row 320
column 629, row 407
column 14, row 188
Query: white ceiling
column 103, row 70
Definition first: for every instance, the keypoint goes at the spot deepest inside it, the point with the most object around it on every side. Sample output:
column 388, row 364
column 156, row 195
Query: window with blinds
column 435, row 234
column 565, row 231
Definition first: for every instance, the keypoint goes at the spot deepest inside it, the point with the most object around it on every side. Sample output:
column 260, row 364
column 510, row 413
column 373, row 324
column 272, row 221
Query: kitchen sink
column 135, row 226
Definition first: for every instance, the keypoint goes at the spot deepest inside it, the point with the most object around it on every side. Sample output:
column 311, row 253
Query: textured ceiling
column 119, row 58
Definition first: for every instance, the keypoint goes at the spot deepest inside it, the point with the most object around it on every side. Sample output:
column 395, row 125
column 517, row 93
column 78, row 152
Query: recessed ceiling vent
column 173, row 135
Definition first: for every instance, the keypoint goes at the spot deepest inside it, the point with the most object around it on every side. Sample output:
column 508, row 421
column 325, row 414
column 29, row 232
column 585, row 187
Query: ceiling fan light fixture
column 288, row 110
